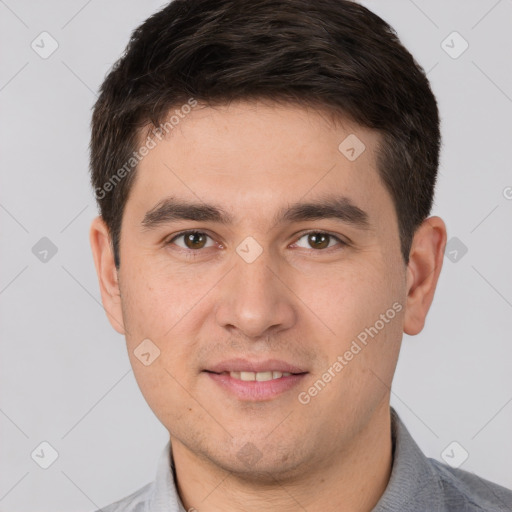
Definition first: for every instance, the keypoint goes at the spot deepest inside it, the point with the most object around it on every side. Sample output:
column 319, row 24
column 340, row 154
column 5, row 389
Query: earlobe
column 423, row 270
column 99, row 238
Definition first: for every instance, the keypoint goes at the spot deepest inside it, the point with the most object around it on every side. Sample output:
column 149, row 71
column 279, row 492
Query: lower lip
column 255, row 390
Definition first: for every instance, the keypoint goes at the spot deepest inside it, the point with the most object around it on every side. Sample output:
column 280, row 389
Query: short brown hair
column 334, row 55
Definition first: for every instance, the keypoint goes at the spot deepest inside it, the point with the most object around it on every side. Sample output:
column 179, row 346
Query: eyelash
column 191, row 253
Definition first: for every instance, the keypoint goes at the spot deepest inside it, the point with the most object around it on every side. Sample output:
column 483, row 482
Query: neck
column 353, row 480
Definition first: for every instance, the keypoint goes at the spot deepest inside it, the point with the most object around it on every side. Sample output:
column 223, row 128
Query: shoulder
column 477, row 494
column 135, row 502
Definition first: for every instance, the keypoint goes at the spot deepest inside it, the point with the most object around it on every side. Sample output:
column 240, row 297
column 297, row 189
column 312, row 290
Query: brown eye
column 193, row 240
column 320, row 240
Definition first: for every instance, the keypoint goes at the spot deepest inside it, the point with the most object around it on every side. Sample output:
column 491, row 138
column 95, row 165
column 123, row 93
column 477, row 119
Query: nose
column 254, row 299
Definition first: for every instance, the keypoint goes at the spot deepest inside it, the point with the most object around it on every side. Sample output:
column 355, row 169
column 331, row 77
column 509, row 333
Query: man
column 265, row 172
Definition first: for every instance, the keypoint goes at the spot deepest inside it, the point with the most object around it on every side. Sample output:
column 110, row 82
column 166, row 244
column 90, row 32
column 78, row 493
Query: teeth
column 258, row 376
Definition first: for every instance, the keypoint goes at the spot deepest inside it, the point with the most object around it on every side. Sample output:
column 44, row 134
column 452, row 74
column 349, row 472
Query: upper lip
column 245, row 365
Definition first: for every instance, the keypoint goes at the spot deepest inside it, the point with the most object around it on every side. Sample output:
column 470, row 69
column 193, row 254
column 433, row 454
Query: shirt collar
column 412, row 478
column 165, row 497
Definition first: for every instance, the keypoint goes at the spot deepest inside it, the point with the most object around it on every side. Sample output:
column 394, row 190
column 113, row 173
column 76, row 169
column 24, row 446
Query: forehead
column 254, row 156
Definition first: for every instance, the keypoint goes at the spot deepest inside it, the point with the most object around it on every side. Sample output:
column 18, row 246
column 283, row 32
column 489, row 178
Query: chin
column 254, row 466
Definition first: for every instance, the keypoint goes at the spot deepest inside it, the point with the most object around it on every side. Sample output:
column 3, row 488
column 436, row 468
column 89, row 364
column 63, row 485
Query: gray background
column 65, row 376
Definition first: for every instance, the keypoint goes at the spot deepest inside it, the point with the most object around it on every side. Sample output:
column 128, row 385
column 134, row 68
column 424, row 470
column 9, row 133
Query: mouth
column 255, row 381
column 256, row 376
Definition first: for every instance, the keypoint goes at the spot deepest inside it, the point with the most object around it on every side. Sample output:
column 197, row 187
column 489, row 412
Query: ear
column 425, row 263
column 99, row 237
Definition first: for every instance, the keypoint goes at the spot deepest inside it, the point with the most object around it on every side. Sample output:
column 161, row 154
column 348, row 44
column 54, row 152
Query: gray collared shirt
column 417, row 484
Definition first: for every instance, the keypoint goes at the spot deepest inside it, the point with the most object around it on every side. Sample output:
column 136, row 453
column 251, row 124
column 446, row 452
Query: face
column 249, row 284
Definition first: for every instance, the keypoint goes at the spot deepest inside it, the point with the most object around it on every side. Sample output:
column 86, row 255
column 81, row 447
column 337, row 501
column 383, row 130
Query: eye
column 320, row 240
column 192, row 240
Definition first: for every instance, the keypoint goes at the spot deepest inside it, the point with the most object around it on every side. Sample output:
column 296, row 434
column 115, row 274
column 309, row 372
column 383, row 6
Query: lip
column 245, row 365
column 255, row 390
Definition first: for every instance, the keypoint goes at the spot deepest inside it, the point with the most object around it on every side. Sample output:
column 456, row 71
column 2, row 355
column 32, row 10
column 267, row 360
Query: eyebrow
column 341, row 208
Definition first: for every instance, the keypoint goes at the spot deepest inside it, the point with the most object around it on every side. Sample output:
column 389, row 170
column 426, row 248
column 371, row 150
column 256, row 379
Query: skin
column 295, row 302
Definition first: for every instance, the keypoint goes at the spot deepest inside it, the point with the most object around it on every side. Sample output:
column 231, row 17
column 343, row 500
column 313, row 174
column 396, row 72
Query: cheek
column 153, row 301
column 364, row 306
column 158, row 388
column 158, row 306
column 348, row 298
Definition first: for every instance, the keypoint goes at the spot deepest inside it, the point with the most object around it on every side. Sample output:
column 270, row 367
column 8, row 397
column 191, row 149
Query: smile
column 255, row 386
column 257, row 376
